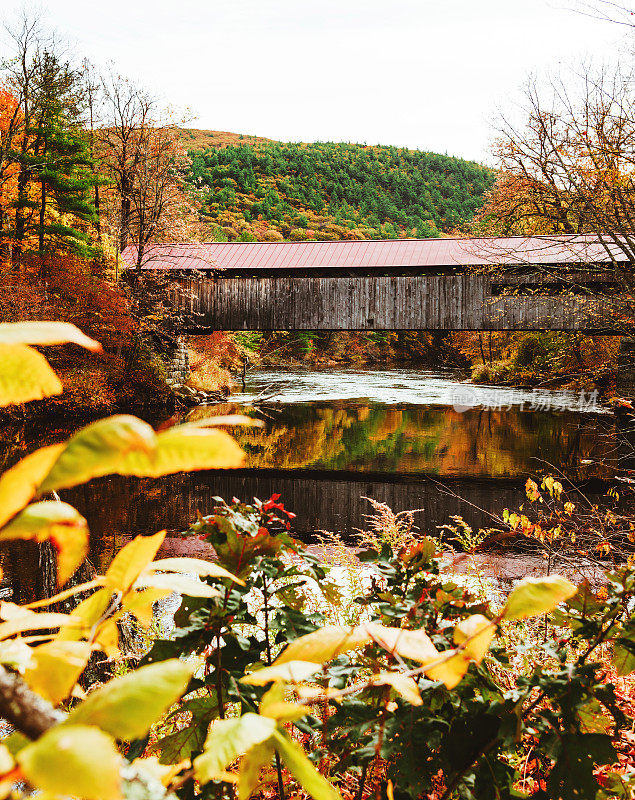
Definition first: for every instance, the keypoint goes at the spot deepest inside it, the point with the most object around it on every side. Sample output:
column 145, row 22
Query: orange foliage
column 10, row 139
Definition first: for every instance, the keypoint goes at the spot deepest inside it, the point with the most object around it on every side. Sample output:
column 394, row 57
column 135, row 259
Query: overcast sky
column 428, row 74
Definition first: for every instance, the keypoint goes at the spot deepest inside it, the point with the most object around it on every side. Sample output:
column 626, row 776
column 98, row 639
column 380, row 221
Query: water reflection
column 332, row 437
column 413, row 440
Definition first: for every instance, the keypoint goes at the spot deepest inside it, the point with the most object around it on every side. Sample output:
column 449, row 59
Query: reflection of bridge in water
column 513, row 283
column 119, row 508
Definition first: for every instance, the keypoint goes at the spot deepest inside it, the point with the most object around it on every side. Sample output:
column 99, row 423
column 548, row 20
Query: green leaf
column 73, row 760
column 15, row 742
column 296, row 761
column 254, row 761
column 60, row 523
column 127, row 707
column 533, row 596
column 593, row 719
column 43, row 333
column 228, row 739
column 25, row 375
column 177, row 746
column 624, row 656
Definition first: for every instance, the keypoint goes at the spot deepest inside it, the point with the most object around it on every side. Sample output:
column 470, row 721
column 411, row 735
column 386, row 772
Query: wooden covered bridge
column 515, row 283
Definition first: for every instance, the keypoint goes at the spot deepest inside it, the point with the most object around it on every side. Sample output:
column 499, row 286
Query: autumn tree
column 143, row 160
column 570, row 168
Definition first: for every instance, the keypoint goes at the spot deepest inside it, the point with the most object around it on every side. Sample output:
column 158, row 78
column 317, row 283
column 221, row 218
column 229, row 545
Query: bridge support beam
column 177, row 361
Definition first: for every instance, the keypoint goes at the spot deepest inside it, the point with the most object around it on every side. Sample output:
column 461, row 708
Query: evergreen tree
column 65, row 171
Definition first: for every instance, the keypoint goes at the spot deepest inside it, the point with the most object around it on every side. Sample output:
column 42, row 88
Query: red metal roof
column 425, row 253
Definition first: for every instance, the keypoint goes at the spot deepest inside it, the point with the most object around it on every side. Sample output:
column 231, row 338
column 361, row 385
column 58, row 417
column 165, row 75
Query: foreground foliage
column 421, row 693
column 411, row 683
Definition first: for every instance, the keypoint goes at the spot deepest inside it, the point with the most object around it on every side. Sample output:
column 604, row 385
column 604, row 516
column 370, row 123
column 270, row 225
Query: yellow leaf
column 185, row 448
column 19, row 484
column 273, row 705
column 60, row 523
column 55, row 668
column 229, row 738
column 15, row 653
column 324, row 644
column 534, row 596
column 415, row 645
column 164, row 773
column 254, row 761
column 296, row 761
column 479, row 631
column 101, row 448
column 292, row 671
column 195, row 565
column 227, row 419
column 107, row 638
column 44, row 333
column 34, row 622
column 56, row 598
column 404, row 685
column 86, row 615
column 6, row 760
column 25, row 375
column 140, row 603
column 127, row 707
column 177, row 583
column 451, row 672
column 285, row 712
column 74, row 760
column 131, row 561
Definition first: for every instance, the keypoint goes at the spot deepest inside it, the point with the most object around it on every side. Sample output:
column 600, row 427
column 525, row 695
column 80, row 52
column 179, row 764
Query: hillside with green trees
column 255, row 189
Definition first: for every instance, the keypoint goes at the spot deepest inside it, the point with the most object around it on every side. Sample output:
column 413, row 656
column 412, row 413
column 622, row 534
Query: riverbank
column 528, row 359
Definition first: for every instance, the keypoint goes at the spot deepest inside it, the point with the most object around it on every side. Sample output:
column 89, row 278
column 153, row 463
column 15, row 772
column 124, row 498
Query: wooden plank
column 462, row 302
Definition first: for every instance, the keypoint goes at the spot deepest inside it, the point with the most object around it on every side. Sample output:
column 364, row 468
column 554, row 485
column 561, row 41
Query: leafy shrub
column 491, row 372
column 43, row 653
column 418, row 696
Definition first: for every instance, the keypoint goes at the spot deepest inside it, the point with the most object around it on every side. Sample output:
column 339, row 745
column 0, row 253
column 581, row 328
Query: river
column 414, row 439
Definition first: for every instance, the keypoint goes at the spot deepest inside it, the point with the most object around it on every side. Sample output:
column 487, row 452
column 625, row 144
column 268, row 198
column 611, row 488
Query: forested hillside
column 256, row 189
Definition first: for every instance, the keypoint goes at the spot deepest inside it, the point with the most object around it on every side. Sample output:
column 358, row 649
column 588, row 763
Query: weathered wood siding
column 461, row 302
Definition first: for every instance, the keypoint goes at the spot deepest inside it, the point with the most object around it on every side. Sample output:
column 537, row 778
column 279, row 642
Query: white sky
column 429, row 74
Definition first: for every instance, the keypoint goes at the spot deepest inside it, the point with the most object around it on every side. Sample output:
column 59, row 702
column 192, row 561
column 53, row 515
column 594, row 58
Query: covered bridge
column 510, row 283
